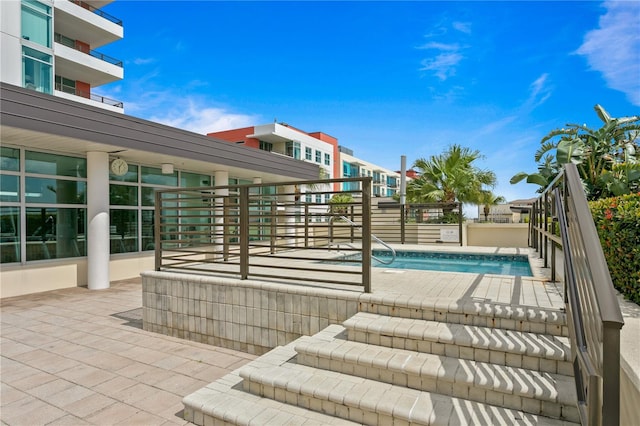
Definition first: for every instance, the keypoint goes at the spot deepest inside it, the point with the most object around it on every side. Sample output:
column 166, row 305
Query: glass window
column 9, row 188
column 308, row 153
column 147, row 230
column 55, row 191
column 123, row 230
column 148, row 196
column 130, row 176
column 327, row 159
column 292, row 149
column 318, row 198
column 55, row 233
column 36, row 22
column 9, row 159
column 53, row 164
column 123, row 195
column 194, row 180
column 9, row 234
column 154, row 175
column 318, row 156
column 37, row 70
column 266, row 146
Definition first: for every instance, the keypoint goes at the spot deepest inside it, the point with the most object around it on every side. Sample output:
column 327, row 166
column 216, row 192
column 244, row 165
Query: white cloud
column 143, row 61
column 539, row 92
column 443, row 65
column 614, row 48
column 448, row 55
column 192, row 115
column 463, row 27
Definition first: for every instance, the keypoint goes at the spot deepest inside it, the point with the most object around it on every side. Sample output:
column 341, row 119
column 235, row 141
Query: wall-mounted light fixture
column 167, row 168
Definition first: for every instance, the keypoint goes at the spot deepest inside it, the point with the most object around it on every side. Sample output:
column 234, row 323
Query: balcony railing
column 66, row 41
column 97, row 11
column 87, row 95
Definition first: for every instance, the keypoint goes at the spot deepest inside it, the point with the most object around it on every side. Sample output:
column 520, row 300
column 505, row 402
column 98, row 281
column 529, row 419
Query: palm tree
column 606, row 158
column 488, row 199
column 450, row 177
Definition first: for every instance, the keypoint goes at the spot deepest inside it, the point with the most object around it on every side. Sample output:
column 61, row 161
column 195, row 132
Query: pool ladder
column 373, row 237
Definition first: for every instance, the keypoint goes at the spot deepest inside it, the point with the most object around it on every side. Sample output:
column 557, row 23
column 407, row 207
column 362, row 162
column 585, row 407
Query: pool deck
column 76, row 356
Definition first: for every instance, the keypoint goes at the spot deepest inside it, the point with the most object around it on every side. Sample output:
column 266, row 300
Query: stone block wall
column 249, row 316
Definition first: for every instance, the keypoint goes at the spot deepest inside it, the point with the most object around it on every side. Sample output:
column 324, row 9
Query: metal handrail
column 72, row 44
column 97, row 11
column 378, row 240
column 594, row 316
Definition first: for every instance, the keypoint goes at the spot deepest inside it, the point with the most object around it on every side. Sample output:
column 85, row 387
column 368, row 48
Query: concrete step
column 372, row 402
column 546, row 394
column 223, row 402
column 532, row 351
column 532, row 319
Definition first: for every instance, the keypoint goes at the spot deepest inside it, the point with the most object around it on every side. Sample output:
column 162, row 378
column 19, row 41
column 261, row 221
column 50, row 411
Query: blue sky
column 386, row 78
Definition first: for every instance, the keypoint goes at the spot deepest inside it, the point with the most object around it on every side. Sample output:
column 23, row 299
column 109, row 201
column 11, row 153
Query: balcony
column 74, row 44
column 81, row 21
column 69, row 92
column 78, row 65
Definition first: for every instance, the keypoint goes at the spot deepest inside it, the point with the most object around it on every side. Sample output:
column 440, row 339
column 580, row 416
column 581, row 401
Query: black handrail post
column 460, row 223
column 156, row 230
column 244, row 232
column 366, row 234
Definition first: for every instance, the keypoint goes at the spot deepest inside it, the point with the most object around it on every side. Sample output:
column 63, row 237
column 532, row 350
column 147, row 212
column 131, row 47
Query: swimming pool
column 499, row 264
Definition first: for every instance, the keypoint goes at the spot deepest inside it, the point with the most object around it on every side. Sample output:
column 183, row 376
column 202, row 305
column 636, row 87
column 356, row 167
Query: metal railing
column 375, row 238
column 561, row 219
column 73, row 44
column 97, row 11
column 88, row 95
column 267, row 231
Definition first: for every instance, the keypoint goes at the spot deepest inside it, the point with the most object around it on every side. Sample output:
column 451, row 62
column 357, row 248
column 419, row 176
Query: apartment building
column 52, row 47
column 385, row 182
column 77, row 176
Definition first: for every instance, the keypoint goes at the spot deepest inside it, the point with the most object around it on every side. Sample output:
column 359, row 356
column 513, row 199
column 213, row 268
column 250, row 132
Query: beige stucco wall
column 496, row 234
column 36, row 277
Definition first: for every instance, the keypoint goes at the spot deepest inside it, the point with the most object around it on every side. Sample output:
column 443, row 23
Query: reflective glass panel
column 53, row 164
column 9, row 234
column 123, row 230
column 54, row 233
column 9, row 188
column 37, row 70
column 36, row 22
column 55, row 191
column 193, row 180
column 154, row 175
column 123, row 195
column 9, row 159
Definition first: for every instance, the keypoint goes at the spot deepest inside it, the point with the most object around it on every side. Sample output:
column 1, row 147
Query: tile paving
column 78, row 357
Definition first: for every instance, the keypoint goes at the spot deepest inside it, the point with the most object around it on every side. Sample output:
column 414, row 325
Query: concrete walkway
column 75, row 357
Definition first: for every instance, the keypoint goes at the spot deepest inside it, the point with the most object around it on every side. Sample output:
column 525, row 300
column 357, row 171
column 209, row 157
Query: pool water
column 456, row 262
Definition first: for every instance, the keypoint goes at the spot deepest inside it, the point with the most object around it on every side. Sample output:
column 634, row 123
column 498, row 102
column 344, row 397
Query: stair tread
column 223, row 401
column 511, row 341
column 511, row 380
column 402, row 403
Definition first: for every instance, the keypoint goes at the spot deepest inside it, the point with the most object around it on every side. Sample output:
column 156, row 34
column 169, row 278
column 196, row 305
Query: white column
column 98, row 245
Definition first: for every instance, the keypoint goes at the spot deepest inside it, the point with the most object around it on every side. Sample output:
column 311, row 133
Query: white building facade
column 385, row 182
column 50, row 47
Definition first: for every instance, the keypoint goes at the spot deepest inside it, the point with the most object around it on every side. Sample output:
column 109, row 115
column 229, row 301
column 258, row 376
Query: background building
column 386, row 183
column 49, row 47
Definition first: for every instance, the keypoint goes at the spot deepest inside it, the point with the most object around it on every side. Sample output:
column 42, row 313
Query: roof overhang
column 41, row 121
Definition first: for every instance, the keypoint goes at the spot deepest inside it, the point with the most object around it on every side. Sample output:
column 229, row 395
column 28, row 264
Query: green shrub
column 617, row 220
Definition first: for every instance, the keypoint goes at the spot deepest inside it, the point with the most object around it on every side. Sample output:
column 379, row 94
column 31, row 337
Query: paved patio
column 75, row 357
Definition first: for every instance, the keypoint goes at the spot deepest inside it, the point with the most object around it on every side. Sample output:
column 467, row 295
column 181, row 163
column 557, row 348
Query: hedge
column 617, row 220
